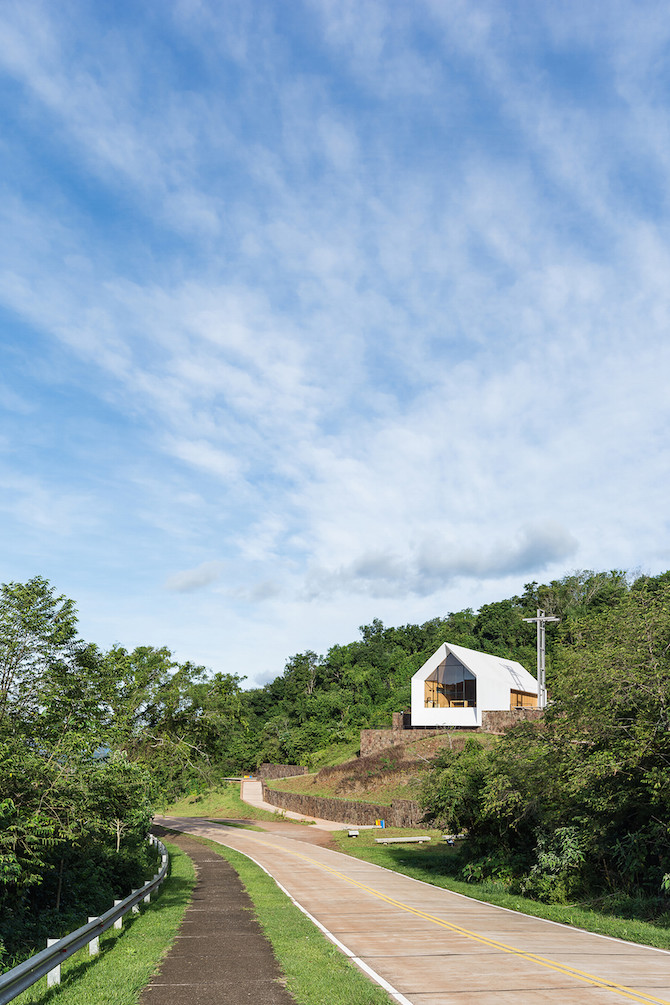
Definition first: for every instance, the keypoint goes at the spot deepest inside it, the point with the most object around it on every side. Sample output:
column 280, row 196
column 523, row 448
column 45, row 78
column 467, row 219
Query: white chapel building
column 456, row 685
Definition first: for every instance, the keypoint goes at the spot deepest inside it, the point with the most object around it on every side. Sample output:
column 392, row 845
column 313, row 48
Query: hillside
column 395, row 773
column 319, row 704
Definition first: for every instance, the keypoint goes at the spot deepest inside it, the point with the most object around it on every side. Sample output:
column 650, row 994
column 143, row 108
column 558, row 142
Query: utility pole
column 541, row 621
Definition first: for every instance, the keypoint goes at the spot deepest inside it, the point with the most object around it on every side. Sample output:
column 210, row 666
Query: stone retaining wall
column 498, row 722
column 375, row 740
column 280, row 770
column 401, row 812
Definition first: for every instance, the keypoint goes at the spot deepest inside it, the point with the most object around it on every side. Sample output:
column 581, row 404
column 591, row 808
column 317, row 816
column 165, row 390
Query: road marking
column 621, row 989
column 365, row 967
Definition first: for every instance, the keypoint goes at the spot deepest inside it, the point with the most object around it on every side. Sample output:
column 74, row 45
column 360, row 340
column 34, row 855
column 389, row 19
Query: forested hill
column 89, row 739
column 321, row 700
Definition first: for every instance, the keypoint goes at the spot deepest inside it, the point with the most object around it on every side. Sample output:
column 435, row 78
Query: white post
column 94, row 944
column 53, row 977
column 136, row 907
column 119, row 921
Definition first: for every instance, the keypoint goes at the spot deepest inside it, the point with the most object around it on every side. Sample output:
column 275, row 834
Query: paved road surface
column 438, row 948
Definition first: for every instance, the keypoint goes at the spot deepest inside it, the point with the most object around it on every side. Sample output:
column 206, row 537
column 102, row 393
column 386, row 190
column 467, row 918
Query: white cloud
column 391, row 325
column 203, row 455
column 34, row 505
column 435, row 563
column 194, row 579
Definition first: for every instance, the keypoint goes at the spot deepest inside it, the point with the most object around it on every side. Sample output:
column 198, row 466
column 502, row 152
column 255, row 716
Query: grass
column 335, row 753
column 395, row 772
column 378, row 791
column 128, row 958
column 316, row 972
column 223, row 802
column 431, row 863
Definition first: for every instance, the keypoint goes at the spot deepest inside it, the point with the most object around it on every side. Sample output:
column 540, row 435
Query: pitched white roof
column 496, row 677
column 484, row 666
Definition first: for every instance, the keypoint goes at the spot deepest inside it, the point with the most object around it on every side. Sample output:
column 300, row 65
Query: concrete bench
column 402, row 840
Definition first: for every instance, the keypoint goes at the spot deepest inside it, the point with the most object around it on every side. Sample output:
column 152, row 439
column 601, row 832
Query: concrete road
column 433, row 947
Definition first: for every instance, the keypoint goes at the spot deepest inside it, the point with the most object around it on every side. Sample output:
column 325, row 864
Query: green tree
column 578, row 802
column 38, row 632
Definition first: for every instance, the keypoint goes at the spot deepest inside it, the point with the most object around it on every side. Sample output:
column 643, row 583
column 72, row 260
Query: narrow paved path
column 251, row 792
column 438, row 948
column 220, row 956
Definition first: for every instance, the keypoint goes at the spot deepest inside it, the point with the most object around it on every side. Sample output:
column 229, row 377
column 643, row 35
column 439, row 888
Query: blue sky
column 324, row 311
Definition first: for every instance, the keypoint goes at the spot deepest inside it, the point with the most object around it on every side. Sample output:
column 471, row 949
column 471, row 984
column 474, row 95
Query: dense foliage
column 578, row 805
column 86, row 739
column 320, row 701
column 560, row 809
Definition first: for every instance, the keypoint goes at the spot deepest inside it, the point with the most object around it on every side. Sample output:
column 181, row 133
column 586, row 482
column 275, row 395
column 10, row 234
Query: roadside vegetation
column 574, row 809
column 127, row 958
column 222, row 802
column 316, row 971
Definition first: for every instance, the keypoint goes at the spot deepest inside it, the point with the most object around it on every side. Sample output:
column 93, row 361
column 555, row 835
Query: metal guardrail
column 47, row 962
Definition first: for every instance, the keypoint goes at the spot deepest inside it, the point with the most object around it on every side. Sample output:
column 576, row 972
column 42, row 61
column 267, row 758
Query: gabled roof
column 483, row 666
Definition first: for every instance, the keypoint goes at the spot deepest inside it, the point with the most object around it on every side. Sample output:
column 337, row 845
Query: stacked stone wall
column 375, row 740
column 498, row 722
column 280, row 770
column 401, row 812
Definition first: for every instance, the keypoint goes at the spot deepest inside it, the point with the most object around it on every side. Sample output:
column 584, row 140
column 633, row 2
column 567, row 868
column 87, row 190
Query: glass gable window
column 451, row 685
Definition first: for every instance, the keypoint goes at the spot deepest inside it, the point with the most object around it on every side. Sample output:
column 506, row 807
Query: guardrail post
column 94, row 944
column 147, row 899
column 53, row 977
column 25, row 974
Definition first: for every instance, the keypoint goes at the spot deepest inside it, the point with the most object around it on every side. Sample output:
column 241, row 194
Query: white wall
column 443, row 716
column 494, row 685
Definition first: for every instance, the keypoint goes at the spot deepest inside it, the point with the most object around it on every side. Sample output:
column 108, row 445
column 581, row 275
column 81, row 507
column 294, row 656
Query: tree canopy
column 578, row 803
column 575, row 803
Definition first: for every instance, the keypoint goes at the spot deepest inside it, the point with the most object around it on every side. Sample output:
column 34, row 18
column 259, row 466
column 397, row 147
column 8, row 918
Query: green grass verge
column 316, row 972
column 430, row 863
column 223, row 801
column 382, row 794
column 127, row 958
column 334, row 753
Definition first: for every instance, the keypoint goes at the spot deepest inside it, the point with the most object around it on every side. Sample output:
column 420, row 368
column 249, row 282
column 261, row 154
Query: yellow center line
column 626, row 992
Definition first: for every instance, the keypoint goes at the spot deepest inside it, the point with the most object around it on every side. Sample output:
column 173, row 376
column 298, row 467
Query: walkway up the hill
column 252, row 792
column 220, row 956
